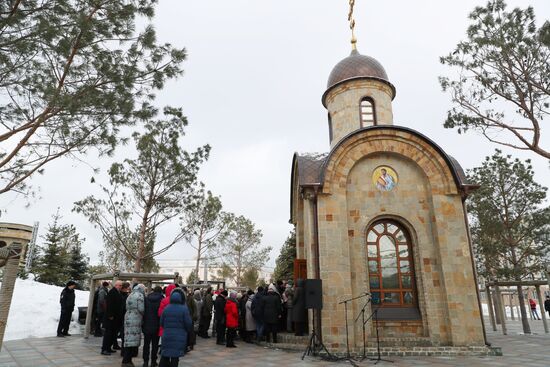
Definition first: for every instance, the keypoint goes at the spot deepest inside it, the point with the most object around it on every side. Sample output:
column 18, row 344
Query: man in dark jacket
column 272, row 308
column 67, row 306
column 547, row 304
column 100, row 305
column 113, row 319
column 206, row 314
column 219, row 310
column 258, row 313
column 299, row 312
column 151, row 327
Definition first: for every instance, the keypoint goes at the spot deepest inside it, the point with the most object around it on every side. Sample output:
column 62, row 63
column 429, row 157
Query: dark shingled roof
column 310, row 167
column 356, row 65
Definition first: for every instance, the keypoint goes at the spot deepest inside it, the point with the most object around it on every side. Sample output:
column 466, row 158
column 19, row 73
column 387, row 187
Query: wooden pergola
column 500, row 307
column 147, row 278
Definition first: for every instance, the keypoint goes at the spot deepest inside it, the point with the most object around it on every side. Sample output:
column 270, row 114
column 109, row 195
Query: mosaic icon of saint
column 385, row 181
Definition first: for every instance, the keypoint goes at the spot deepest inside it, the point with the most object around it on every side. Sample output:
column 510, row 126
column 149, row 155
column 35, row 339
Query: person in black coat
column 219, row 315
column 272, row 308
column 299, row 313
column 151, row 323
column 547, row 304
column 258, row 313
column 114, row 317
column 67, row 307
column 206, row 314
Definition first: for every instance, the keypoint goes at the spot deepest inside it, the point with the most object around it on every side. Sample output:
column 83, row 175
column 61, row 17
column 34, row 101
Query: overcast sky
column 252, row 89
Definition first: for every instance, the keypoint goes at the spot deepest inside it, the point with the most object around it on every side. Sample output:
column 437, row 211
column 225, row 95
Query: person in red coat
column 231, row 319
column 165, row 302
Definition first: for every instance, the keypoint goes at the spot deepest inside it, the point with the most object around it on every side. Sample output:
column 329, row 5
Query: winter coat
column 231, row 313
column 547, row 305
column 198, row 312
column 249, row 318
column 208, row 303
column 272, row 308
column 114, row 306
column 256, row 307
column 165, row 302
column 192, row 305
column 151, row 319
column 299, row 313
column 177, row 324
column 102, row 299
column 133, row 318
column 219, row 308
column 66, row 299
column 533, row 304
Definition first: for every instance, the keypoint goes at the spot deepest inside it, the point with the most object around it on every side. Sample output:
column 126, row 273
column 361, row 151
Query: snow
column 35, row 310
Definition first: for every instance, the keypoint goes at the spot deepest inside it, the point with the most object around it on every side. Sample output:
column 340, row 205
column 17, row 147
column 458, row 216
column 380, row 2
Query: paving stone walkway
column 519, row 350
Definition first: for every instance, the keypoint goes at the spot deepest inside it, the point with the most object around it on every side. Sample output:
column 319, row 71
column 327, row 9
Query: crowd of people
column 171, row 318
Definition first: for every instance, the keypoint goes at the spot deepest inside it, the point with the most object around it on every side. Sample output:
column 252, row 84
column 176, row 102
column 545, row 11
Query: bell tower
column 359, row 93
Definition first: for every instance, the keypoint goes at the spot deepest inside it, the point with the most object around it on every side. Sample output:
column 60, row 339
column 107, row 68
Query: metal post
column 542, row 311
column 490, row 307
column 500, row 309
column 12, row 253
column 512, row 306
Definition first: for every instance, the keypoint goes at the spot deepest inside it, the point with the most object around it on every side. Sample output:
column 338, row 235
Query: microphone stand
column 345, row 302
column 362, row 315
column 375, row 316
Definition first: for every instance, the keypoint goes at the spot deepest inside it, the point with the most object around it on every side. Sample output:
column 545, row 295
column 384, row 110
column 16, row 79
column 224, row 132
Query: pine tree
column 192, row 278
column 78, row 263
column 50, row 266
column 284, row 265
column 509, row 222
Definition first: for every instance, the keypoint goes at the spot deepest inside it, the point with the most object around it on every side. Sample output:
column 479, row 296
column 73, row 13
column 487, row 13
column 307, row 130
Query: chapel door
column 300, row 269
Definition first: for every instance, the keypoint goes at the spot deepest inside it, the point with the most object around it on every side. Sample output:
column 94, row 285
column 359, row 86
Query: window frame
column 371, row 101
column 401, row 290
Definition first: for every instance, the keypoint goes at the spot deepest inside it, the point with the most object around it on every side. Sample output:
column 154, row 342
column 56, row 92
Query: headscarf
column 197, row 295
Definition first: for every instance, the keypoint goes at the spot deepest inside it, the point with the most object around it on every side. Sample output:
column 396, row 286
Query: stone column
column 11, row 254
column 490, row 307
column 89, row 314
column 512, row 306
column 542, row 311
column 500, row 309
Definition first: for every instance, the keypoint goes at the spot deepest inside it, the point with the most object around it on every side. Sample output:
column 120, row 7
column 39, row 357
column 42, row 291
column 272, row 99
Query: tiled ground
column 519, row 350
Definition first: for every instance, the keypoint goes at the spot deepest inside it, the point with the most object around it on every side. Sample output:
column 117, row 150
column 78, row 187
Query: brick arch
column 387, row 140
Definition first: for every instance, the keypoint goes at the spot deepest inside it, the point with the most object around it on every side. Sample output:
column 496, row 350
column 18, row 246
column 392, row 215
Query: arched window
column 367, row 112
column 390, row 264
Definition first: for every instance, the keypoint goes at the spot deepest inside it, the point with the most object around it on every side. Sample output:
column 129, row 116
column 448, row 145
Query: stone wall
column 427, row 202
column 343, row 106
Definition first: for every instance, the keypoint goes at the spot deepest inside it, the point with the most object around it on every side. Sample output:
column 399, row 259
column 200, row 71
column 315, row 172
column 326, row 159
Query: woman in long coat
column 135, row 308
column 177, row 324
column 250, row 322
column 299, row 313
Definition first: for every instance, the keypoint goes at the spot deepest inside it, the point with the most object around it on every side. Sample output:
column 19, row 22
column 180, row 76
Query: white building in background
column 185, row 266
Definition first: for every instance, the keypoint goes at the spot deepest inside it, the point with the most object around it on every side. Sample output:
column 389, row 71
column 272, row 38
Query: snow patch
column 35, row 310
